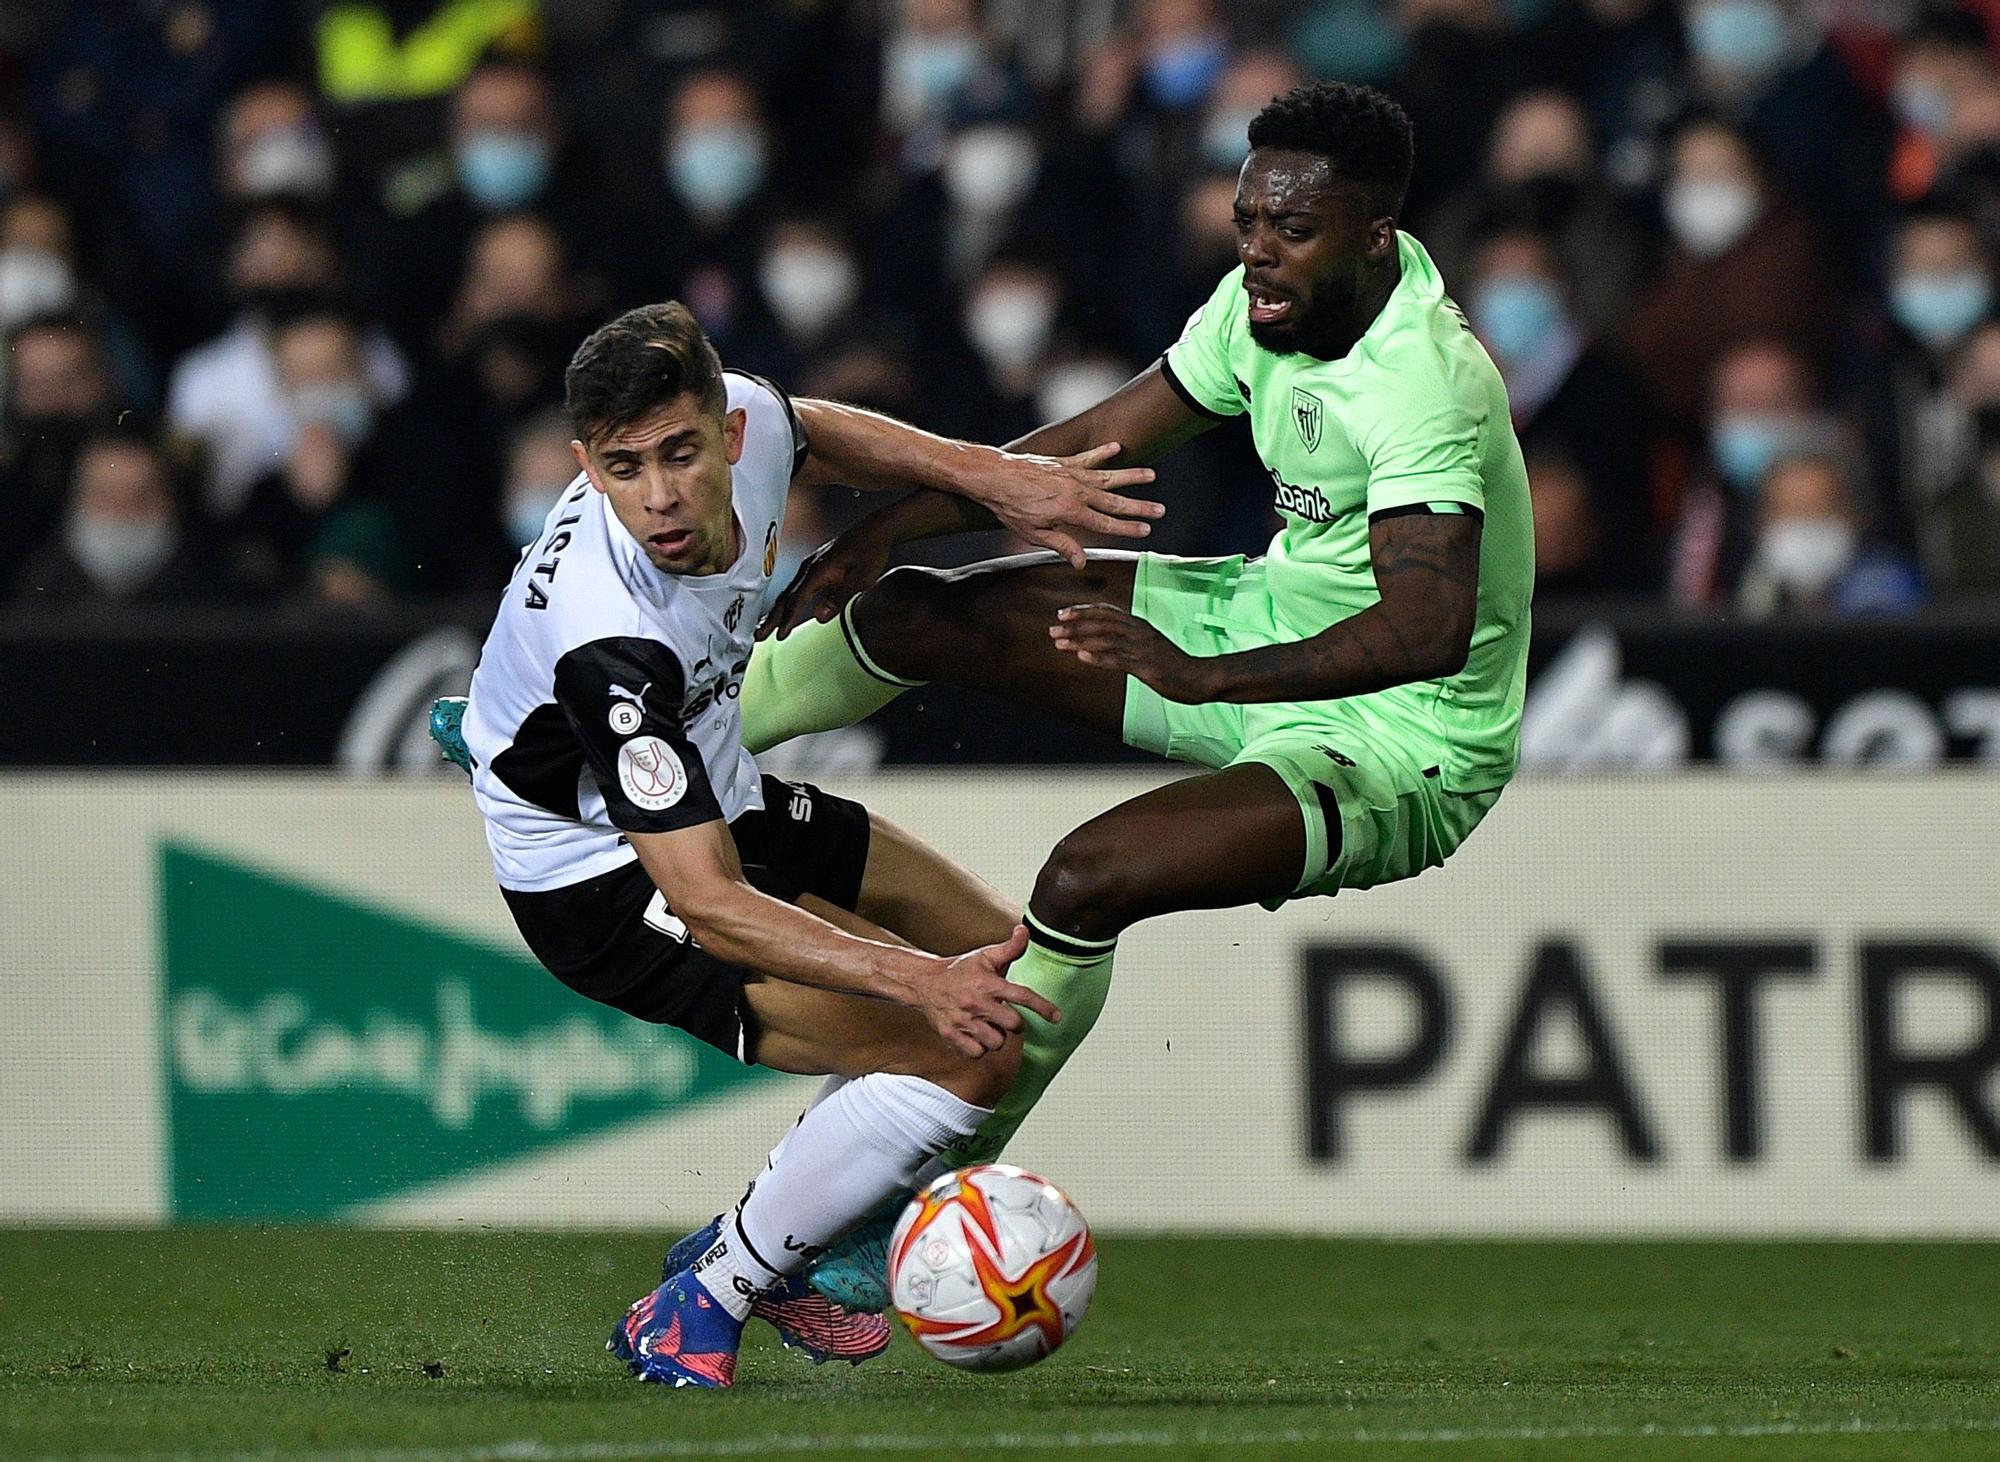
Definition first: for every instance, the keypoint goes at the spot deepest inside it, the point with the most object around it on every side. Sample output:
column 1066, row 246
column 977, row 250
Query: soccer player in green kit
column 1356, row 691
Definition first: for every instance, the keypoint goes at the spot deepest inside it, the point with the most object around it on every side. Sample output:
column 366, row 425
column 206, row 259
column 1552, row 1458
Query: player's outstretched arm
column 1427, row 572
column 1145, row 417
column 1047, row 499
column 968, row 1000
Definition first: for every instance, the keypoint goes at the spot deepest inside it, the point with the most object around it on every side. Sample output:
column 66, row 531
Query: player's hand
column 971, row 1001
column 1046, row 501
column 831, row 575
column 1111, row 639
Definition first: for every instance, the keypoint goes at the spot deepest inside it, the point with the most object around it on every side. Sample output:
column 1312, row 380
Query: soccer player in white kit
column 650, row 866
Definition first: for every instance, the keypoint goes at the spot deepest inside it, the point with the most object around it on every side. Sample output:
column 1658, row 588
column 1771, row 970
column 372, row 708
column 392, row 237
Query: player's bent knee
column 902, row 619
column 1085, row 889
column 984, row 1080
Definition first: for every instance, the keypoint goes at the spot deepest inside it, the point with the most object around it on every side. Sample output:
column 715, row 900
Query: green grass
column 299, row 1344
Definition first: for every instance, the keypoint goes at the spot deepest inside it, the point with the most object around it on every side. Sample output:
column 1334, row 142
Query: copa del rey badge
column 651, row 773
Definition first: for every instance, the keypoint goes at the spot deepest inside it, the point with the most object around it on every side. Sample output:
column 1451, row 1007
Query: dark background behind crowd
column 287, row 288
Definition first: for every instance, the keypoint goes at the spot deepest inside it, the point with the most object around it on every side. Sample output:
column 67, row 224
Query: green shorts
column 1374, row 758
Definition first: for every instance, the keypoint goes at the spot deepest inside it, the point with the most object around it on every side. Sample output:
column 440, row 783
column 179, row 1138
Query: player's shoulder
column 1220, row 315
column 1428, row 351
column 771, row 429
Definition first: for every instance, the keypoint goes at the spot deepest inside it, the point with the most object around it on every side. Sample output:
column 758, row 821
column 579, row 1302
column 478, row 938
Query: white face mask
column 1707, row 215
column 1072, row 389
column 990, row 169
column 288, row 162
column 1010, row 324
column 33, row 282
column 120, row 554
column 808, row 286
column 1807, row 554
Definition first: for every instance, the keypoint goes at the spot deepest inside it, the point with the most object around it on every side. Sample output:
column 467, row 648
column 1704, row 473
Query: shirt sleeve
column 1197, row 364
column 622, row 698
column 1422, row 447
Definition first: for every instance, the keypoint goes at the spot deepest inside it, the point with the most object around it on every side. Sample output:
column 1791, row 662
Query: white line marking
column 532, row 1449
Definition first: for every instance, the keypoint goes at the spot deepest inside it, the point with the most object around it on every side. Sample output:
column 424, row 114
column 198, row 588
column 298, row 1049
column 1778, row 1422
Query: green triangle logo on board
column 321, row 1053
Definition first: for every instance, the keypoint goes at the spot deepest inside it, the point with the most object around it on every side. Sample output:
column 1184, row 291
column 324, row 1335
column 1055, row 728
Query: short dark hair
column 1361, row 132
column 637, row 364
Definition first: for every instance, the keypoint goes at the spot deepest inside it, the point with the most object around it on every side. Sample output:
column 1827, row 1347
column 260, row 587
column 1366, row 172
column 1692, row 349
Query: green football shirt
column 1414, row 414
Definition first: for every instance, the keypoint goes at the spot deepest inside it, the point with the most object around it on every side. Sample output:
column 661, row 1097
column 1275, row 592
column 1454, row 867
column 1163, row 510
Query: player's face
column 1306, row 242
column 667, row 475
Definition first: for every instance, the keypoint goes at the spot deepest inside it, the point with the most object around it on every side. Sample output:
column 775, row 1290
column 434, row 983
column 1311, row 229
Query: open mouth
column 673, row 540
column 1266, row 306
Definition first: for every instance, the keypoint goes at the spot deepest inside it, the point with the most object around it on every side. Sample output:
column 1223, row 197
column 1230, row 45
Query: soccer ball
column 991, row 1268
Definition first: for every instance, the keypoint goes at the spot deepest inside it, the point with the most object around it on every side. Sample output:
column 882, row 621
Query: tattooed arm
column 1427, row 571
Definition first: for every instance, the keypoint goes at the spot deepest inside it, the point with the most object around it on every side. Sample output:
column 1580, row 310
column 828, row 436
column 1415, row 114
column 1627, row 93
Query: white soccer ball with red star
column 991, row 1268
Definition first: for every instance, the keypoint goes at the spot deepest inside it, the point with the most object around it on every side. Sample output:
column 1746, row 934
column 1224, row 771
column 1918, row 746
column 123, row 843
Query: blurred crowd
column 287, row 288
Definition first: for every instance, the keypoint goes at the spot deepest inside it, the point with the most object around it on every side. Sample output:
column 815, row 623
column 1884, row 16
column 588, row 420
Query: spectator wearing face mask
column 1939, row 290
column 1812, row 554
column 1743, row 264
column 1142, row 102
column 996, row 182
column 41, row 276
column 1154, row 77
column 811, row 287
column 58, row 391
column 122, row 539
column 1541, row 170
column 507, row 152
column 1763, row 407
column 1173, row 240
column 715, row 176
column 1571, row 399
column 1008, row 318
column 932, row 52
column 271, row 144
column 224, row 396
column 1768, row 67
column 329, row 471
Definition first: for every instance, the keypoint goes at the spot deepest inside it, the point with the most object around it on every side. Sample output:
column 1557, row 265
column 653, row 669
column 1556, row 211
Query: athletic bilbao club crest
column 1306, row 415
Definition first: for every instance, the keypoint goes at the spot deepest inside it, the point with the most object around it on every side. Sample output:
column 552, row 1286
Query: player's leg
column 985, row 626
column 1210, row 841
column 861, row 1144
column 926, row 898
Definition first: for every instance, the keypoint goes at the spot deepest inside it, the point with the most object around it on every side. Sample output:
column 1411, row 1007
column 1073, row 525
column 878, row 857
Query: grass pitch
column 318, row 1345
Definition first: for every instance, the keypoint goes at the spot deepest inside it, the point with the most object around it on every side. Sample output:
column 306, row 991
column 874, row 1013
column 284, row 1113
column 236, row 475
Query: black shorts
column 614, row 939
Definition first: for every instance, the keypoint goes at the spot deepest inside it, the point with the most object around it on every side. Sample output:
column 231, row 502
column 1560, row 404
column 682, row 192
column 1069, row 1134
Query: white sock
column 827, row 1088
column 858, row 1144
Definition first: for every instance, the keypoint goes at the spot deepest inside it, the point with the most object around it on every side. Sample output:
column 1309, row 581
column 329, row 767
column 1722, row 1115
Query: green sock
column 815, row 679
column 1074, row 975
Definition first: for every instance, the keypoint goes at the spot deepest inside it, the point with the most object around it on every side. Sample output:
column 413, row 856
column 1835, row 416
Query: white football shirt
column 606, row 698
